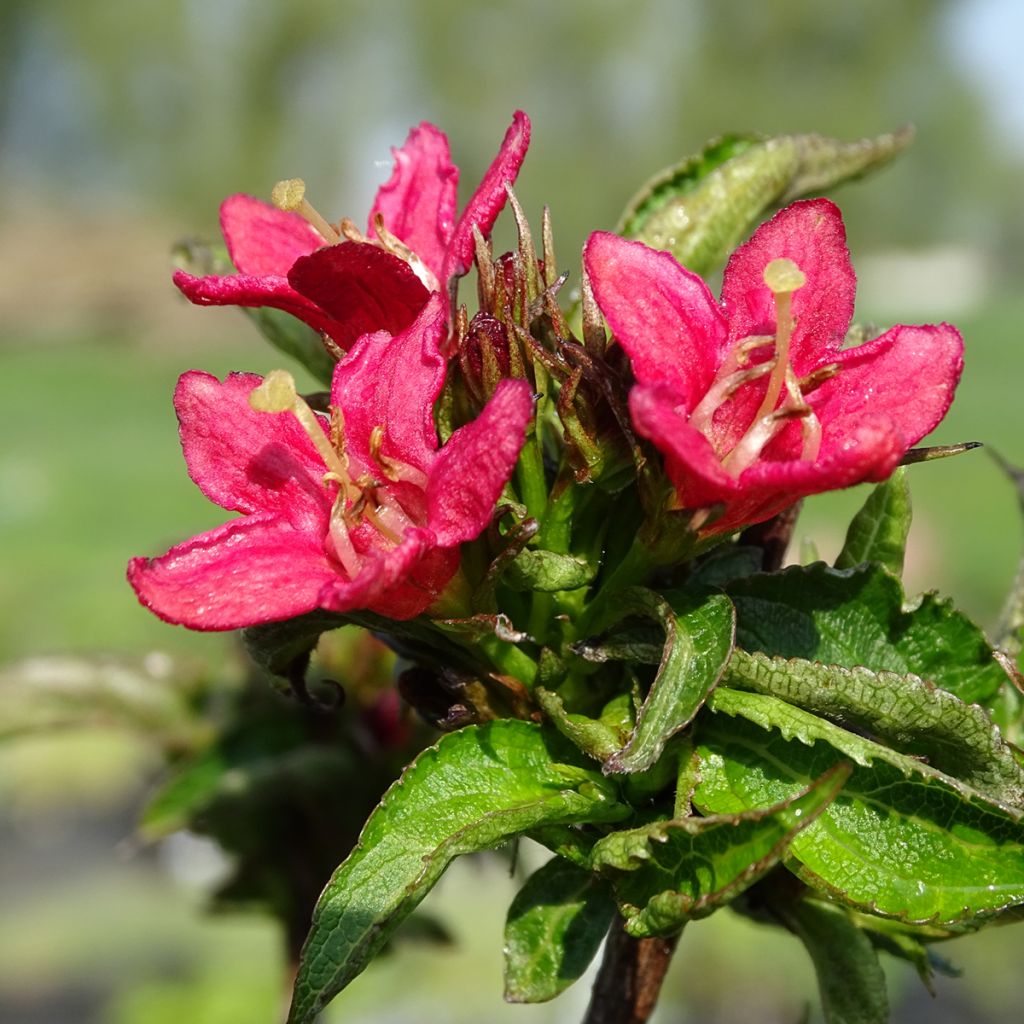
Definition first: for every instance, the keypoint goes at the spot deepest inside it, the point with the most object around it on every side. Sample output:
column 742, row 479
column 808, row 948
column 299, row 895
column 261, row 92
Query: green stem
column 509, row 660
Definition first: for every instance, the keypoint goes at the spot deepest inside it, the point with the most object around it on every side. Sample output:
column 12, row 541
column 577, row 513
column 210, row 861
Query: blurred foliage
column 184, row 101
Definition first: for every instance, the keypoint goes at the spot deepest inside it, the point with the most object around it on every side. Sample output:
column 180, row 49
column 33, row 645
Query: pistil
column 290, row 195
column 277, row 394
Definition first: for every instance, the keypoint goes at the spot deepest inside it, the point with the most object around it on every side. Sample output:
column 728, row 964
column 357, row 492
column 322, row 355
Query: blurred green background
column 122, row 125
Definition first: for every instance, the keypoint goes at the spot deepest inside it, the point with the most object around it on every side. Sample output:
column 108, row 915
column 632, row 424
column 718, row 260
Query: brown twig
column 629, row 981
column 773, row 536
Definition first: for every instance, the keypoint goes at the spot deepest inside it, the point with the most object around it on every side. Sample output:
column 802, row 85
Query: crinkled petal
column 487, row 201
column 475, row 464
column 253, row 569
column 811, row 234
column 870, row 450
column 246, row 290
column 248, row 461
column 908, row 375
column 361, row 288
column 418, row 202
column 690, row 461
column 662, row 315
column 263, row 240
column 387, row 582
column 392, row 382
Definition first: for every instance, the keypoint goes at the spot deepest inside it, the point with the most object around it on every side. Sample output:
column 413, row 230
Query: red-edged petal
column 811, row 234
column 663, row 315
column 246, row 290
column 487, row 201
column 263, row 240
column 908, row 375
column 870, row 450
column 418, row 202
column 475, row 464
column 392, row 382
column 361, row 288
column 382, row 584
column 253, row 569
column 690, row 461
column 248, row 461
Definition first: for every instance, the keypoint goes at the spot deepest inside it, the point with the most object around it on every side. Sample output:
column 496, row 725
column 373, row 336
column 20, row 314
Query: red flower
column 293, row 259
column 363, row 512
column 754, row 403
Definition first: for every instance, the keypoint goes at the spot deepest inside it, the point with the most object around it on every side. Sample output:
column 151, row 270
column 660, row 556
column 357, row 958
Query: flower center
column 290, row 195
column 362, row 498
column 783, row 277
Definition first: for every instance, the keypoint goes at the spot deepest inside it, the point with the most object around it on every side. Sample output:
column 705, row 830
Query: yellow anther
column 290, row 195
column 783, row 275
column 277, row 394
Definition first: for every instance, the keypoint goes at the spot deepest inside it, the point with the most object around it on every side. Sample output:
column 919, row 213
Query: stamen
column 394, row 245
column 393, row 469
column 290, row 195
column 783, row 277
column 277, row 394
column 817, row 377
column 344, row 550
column 722, row 389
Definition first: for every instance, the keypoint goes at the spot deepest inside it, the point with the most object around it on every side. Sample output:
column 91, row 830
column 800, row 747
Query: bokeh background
column 122, row 125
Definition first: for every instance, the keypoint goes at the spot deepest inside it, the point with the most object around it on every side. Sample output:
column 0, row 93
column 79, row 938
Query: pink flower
column 754, row 403
column 293, row 259
column 364, row 512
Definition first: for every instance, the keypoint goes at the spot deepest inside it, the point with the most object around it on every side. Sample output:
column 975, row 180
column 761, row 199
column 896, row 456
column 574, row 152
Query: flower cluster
column 750, row 404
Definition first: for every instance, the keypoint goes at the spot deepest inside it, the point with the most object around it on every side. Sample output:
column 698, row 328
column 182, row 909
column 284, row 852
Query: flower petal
column 908, row 375
column 250, row 291
column 252, row 569
column 392, row 581
column 487, row 201
column 811, row 234
column 392, row 382
column 248, row 461
column 690, row 461
column 662, row 315
column 475, row 464
column 263, row 240
column 418, row 202
column 361, row 288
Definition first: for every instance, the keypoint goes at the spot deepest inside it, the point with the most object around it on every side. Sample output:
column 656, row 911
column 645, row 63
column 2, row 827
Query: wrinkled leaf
column 901, row 839
column 698, row 639
column 878, row 532
column 671, row 872
column 599, row 737
column 905, row 711
column 554, row 928
column 474, row 789
column 853, row 617
column 547, row 571
column 850, row 978
column 701, row 209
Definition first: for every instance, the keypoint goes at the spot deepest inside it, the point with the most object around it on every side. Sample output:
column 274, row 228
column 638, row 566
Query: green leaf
column 295, row 339
column 698, row 640
column 701, row 209
column 671, row 872
column 850, row 977
column 600, row 738
column 853, row 617
column 878, row 532
column 277, row 646
column 554, row 928
column 547, row 572
column 905, row 711
column 901, row 839
column 474, row 789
